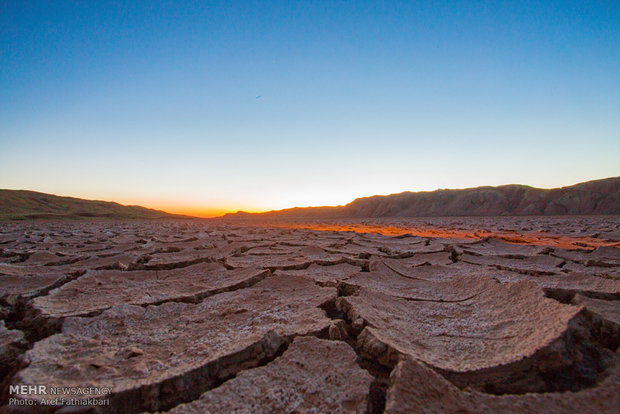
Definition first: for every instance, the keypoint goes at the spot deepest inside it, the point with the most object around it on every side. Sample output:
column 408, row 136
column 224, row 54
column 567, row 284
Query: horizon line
column 200, row 212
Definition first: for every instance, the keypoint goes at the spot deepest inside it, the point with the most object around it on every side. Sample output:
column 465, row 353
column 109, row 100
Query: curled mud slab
column 415, row 388
column 561, row 286
column 605, row 315
column 22, row 283
column 313, row 375
column 506, row 338
column 100, row 290
column 456, row 289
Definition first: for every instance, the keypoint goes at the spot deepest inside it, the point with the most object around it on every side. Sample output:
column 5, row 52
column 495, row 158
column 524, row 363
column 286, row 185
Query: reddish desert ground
column 512, row 314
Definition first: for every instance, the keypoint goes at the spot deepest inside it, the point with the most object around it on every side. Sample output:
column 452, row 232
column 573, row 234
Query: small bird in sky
column 259, row 96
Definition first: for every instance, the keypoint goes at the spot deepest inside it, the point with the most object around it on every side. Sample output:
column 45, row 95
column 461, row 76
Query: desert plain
column 455, row 314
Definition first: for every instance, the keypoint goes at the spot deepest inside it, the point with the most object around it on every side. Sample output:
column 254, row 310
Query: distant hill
column 22, row 204
column 592, row 197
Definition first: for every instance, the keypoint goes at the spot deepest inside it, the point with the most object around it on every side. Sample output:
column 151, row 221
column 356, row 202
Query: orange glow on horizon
column 532, row 238
column 187, row 207
column 203, row 212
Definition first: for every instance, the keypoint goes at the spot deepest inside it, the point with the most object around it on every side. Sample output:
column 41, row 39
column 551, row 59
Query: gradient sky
column 155, row 103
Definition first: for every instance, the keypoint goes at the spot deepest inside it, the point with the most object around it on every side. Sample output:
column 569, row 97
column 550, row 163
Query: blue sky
column 155, row 103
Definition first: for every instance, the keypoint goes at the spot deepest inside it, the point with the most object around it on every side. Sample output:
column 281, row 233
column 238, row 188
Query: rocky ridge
column 592, row 197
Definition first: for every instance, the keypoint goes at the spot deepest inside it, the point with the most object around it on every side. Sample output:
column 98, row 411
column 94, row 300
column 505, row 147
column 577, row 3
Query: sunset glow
column 389, row 229
column 203, row 109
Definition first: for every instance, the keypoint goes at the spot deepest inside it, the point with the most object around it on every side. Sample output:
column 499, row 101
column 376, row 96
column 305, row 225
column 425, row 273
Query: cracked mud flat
column 422, row 315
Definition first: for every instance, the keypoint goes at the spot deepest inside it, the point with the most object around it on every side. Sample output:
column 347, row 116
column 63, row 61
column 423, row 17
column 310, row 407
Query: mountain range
column 592, row 197
column 23, row 204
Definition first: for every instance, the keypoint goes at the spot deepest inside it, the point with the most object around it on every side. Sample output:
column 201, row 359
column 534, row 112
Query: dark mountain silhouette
column 23, row 204
column 592, row 197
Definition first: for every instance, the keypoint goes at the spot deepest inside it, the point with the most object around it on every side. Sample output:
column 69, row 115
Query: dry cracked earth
column 216, row 317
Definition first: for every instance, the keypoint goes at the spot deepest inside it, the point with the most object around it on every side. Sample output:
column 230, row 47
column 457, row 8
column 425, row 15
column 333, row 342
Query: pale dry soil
column 424, row 315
